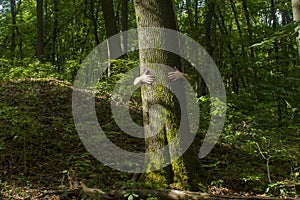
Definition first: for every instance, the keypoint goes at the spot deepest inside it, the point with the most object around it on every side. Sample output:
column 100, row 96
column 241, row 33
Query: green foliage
column 152, row 197
column 131, row 195
column 108, row 82
column 217, row 183
column 260, row 59
column 282, row 189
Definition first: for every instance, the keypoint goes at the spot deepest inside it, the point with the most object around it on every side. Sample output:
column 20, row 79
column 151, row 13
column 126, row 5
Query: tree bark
column 109, row 19
column 274, row 26
column 163, row 123
column 40, row 29
column 114, row 47
column 196, row 17
column 233, row 7
column 235, row 71
column 54, row 33
column 124, row 24
column 208, row 40
column 13, row 33
column 14, row 9
column 94, row 18
column 249, row 26
column 250, row 33
column 296, row 16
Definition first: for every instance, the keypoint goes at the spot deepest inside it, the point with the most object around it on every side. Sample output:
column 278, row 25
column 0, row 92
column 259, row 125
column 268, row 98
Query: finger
column 172, row 77
column 147, row 71
column 171, row 74
column 150, row 77
column 149, row 81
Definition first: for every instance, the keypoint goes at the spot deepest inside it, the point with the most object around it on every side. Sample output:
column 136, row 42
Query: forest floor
column 41, row 155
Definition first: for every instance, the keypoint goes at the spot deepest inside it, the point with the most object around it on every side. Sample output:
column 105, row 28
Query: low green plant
column 131, row 195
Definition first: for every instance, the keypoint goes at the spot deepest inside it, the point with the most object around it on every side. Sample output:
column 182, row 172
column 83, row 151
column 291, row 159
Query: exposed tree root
column 165, row 194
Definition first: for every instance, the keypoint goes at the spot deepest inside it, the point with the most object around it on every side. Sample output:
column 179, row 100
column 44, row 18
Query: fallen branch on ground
column 166, row 194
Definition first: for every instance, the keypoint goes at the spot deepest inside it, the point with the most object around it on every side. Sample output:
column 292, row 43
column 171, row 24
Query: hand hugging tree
column 163, row 121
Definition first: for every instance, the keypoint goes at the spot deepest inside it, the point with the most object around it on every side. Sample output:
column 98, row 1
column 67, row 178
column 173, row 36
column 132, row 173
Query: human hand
column 176, row 75
column 145, row 78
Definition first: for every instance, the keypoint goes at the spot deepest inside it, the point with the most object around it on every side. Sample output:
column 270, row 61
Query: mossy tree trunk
column 161, row 124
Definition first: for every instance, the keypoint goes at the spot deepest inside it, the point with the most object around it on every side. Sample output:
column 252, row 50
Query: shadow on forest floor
column 41, row 151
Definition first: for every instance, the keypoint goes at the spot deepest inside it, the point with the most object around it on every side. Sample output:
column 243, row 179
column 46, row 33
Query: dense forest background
column 44, row 42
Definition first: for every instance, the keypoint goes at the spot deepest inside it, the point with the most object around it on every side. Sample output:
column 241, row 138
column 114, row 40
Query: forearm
column 137, row 81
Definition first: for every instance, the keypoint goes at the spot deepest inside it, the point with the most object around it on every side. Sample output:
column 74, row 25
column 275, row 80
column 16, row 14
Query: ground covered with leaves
column 41, row 155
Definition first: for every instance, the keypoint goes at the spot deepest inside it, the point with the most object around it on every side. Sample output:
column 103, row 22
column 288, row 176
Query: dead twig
column 268, row 161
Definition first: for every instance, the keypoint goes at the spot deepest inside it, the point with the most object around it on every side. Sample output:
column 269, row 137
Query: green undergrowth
column 40, row 148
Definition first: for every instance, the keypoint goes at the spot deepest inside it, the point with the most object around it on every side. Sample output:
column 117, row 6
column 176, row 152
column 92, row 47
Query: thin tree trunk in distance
column 274, row 26
column 124, row 24
column 13, row 33
column 296, row 16
column 40, row 29
column 94, row 18
column 208, row 40
column 55, row 29
column 109, row 18
column 235, row 71
column 14, row 9
column 233, row 7
column 249, row 26
column 114, row 48
column 250, row 33
column 196, row 7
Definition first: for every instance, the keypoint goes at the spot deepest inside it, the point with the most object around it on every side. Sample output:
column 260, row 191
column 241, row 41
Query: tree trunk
column 40, row 29
column 196, row 19
column 94, row 18
column 162, row 123
column 249, row 26
column 274, row 26
column 208, row 40
column 124, row 24
column 111, row 30
column 110, row 23
column 233, row 7
column 250, row 34
column 14, row 9
column 13, row 32
column 55, row 29
column 296, row 16
column 235, row 71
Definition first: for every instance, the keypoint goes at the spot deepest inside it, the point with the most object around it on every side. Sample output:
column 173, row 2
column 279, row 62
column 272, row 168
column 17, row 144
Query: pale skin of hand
column 145, row 78
column 177, row 75
column 148, row 78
